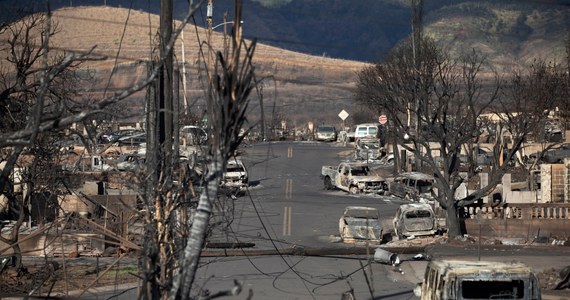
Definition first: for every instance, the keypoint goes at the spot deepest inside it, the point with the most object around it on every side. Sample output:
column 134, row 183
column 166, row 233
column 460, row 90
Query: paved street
column 287, row 202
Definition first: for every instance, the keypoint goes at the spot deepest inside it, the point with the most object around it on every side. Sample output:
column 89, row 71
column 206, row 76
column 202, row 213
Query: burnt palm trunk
column 183, row 281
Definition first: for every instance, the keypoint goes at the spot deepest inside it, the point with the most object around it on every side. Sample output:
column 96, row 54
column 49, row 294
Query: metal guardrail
column 525, row 211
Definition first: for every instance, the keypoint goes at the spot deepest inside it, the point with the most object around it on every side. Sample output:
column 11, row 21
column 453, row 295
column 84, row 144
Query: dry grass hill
column 297, row 86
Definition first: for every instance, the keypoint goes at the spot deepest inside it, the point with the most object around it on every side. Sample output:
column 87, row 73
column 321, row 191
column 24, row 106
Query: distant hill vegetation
column 340, row 36
column 365, row 30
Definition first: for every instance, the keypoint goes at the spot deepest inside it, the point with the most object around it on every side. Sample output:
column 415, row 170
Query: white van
column 367, row 130
column 461, row 279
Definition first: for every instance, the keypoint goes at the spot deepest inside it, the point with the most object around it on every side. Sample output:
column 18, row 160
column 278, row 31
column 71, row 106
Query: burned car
column 415, row 219
column 414, row 186
column 235, row 180
column 369, row 149
column 462, row 279
column 360, row 223
column 355, row 178
column 130, row 162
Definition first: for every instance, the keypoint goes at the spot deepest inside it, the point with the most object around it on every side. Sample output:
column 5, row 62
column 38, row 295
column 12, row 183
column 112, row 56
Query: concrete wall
column 520, row 220
column 528, row 230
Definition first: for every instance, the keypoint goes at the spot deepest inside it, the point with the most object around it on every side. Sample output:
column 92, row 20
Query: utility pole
column 210, row 17
column 417, row 28
column 166, row 76
column 185, row 101
column 209, row 69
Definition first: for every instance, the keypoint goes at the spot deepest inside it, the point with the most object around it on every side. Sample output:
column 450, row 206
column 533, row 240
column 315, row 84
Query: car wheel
column 354, row 190
column 328, row 183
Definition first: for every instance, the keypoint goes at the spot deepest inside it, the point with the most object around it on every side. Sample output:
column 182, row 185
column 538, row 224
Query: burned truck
column 461, row 279
column 354, row 178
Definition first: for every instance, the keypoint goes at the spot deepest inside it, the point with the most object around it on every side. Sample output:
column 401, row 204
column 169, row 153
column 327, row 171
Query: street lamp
column 228, row 22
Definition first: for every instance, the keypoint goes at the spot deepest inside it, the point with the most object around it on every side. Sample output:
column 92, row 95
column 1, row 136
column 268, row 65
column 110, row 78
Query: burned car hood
column 359, row 228
column 368, row 178
column 233, row 174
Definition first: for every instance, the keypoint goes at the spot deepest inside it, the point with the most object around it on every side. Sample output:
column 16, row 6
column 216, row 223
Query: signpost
column 343, row 115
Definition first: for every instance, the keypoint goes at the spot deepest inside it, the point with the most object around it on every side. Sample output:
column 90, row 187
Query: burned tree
column 537, row 93
column 435, row 106
column 229, row 89
column 37, row 86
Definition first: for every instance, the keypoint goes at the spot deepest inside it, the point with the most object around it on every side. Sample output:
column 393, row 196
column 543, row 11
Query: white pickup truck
column 354, row 178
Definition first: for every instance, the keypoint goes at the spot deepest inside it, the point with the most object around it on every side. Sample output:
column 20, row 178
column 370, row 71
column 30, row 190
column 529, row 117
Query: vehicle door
column 343, row 178
column 397, row 187
column 411, row 188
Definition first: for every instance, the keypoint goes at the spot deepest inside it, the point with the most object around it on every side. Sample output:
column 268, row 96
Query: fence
column 530, row 221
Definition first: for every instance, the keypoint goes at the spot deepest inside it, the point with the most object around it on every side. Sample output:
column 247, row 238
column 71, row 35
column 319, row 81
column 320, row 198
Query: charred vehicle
column 413, row 186
column 415, row 219
column 130, row 162
column 460, row 279
column 360, row 223
column 354, row 178
column 369, row 149
column 235, row 178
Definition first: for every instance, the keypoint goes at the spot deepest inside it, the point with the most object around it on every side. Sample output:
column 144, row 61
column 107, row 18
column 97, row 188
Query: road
column 286, row 207
column 286, row 200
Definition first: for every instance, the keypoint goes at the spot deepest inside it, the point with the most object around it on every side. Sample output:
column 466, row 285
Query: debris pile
column 555, row 279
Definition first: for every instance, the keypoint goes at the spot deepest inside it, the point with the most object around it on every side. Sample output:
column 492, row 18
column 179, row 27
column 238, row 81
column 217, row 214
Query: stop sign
column 382, row 119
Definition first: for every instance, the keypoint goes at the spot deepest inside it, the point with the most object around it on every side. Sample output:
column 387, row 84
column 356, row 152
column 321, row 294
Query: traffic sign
column 382, row 119
column 343, row 115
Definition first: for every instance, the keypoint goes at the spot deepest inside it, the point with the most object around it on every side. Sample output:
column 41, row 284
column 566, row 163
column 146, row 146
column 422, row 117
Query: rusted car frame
column 414, row 186
column 415, row 219
column 461, row 279
column 360, row 223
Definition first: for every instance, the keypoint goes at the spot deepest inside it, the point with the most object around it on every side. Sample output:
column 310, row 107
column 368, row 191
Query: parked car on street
column 235, row 179
column 414, row 186
column 414, row 219
column 369, row 149
column 367, row 130
column 360, row 223
column 326, row 133
column 462, row 279
column 354, row 178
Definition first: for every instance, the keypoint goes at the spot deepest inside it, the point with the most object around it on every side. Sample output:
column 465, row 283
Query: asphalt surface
column 291, row 272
